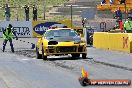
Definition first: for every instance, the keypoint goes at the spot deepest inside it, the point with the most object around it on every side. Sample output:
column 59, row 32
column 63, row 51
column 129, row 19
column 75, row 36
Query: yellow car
column 60, row 41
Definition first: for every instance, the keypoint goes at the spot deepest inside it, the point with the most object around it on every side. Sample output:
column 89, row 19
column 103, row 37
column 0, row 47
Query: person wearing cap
column 7, row 35
column 128, row 24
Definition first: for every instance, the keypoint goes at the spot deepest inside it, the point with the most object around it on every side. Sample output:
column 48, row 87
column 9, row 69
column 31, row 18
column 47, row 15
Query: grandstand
column 125, row 7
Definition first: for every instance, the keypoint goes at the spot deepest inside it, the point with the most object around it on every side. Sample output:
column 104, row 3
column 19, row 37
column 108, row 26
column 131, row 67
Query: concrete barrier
column 113, row 41
column 99, row 40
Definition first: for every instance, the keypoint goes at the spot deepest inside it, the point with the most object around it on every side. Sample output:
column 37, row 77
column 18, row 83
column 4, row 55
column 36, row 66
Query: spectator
column 34, row 13
column 130, row 12
column 122, row 1
column 7, row 12
column 26, row 12
column 84, row 20
column 118, row 14
column 103, row 2
column 111, row 1
column 128, row 24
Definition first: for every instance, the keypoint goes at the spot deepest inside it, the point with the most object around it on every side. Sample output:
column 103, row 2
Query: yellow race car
column 60, row 41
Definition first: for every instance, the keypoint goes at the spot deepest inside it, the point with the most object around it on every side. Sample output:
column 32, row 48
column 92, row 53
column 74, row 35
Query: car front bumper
column 62, row 50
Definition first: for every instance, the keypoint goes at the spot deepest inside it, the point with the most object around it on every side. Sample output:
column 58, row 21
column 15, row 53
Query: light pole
column 44, row 3
column 71, row 16
column 125, row 11
column 16, row 6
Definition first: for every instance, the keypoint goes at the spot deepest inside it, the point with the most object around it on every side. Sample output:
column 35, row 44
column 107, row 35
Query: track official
column 7, row 36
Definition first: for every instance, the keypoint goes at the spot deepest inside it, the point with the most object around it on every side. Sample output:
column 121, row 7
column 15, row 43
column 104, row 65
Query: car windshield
column 61, row 33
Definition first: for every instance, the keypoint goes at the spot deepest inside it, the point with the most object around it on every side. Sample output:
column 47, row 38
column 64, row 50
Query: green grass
column 20, row 3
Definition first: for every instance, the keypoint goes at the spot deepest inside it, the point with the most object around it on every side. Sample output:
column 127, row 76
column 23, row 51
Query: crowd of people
column 7, row 14
column 112, row 1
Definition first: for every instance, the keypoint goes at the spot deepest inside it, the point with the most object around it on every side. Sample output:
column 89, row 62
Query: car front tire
column 43, row 57
column 38, row 56
column 84, row 55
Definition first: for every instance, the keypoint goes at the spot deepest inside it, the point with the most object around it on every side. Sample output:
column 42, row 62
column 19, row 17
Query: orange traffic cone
column 84, row 74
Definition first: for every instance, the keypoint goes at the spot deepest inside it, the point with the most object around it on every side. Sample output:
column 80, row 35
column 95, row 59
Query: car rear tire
column 43, row 57
column 38, row 56
column 75, row 55
column 84, row 55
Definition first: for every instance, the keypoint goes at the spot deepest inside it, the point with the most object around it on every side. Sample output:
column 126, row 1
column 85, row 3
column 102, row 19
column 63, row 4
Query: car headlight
column 77, row 42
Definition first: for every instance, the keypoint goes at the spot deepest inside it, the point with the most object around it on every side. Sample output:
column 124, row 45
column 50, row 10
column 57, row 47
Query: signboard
column 21, row 28
column 39, row 27
column 91, row 29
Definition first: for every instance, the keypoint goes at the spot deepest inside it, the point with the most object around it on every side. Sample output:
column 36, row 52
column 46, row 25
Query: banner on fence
column 39, row 27
column 22, row 28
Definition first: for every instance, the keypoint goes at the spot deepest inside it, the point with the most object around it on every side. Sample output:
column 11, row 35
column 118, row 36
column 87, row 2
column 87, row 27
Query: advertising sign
column 21, row 28
column 39, row 27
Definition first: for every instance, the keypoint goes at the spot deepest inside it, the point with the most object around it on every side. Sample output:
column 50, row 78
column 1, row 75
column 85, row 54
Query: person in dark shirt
column 122, row 1
column 118, row 14
column 26, row 7
column 103, row 1
column 84, row 21
column 34, row 13
column 7, row 12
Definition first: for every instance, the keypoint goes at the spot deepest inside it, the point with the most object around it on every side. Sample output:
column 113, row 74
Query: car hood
column 65, row 39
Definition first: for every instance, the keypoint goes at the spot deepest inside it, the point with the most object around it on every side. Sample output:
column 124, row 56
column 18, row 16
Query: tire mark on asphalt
column 32, row 54
column 113, row 65
column 109, row 64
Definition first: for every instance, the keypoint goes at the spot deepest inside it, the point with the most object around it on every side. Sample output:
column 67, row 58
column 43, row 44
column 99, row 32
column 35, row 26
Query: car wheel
column 75, row 55
column 84, row 55
column 38, row 56
column 43, row 57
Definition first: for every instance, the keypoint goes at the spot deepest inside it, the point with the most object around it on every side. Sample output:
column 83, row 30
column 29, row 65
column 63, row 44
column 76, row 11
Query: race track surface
column 22, row 70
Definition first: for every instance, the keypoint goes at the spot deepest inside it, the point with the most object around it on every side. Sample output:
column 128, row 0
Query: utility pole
column 125, row 11
column 71, row 16
column 44, row 10
column 16, row 6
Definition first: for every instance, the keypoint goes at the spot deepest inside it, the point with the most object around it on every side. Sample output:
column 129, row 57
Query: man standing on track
column 7, row 35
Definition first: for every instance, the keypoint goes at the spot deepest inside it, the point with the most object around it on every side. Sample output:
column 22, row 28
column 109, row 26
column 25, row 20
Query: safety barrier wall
column 113, row 41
